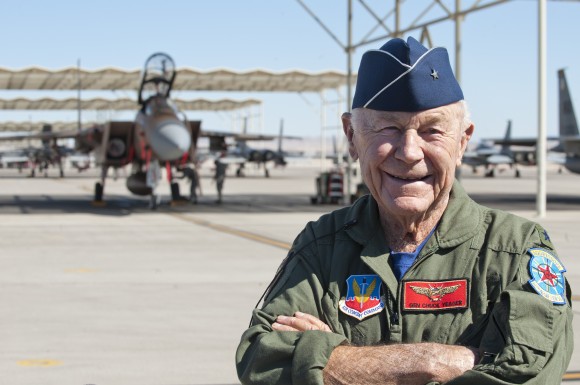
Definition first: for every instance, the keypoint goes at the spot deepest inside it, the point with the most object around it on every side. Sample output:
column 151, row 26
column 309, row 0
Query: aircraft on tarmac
column 569, row 134
column 41, row 158
column 160, row 135
column 242, row 153
column 517, row 151
column 16, row 158
column 487, row 154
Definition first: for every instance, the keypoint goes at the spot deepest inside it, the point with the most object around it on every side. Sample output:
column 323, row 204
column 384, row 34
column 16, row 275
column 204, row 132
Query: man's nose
column 409, row 149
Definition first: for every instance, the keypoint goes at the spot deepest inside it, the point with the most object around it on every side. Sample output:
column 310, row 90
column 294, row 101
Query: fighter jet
column 242, row 153
column 490, row 156
column 522, row 151
column 160, row 136
column 39, row 158
column 569, row 143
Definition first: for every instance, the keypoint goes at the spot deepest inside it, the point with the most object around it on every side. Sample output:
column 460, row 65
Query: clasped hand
column 300, row 322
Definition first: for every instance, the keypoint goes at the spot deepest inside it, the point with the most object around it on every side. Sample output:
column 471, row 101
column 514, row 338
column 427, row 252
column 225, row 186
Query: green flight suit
column 525, row 337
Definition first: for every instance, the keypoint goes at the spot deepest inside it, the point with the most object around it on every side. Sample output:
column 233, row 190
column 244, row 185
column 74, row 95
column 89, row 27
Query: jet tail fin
column 281, row 136
column 505, row 148
column 568, row 124
column 46, row 130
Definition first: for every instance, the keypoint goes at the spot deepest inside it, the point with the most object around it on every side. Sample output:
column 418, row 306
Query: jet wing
column 525, row 142
column 40, row 135
column 232, row 159
column 13, row 157
column 571, row 145
column 499, row 159
column 242, row 136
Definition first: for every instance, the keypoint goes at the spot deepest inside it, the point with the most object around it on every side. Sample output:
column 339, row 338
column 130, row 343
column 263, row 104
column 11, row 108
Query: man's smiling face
column 408, row 159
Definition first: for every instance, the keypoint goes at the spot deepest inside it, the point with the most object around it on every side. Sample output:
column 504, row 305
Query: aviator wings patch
column 434, row 293
column 428, row 296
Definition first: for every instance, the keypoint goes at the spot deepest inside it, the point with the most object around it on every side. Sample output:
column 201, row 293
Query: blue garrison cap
column 405, row 76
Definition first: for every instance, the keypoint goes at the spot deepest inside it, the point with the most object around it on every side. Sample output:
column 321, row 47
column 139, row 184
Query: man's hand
column 300, row 322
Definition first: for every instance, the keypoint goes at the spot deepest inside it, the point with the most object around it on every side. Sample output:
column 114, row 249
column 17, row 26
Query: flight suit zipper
column 396, row 311
column 392, row 307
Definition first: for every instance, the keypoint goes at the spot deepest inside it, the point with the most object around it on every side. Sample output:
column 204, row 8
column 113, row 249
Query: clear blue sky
column 499, row 71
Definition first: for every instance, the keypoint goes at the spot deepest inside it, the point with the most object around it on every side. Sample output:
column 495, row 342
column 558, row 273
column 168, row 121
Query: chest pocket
column 370, row 330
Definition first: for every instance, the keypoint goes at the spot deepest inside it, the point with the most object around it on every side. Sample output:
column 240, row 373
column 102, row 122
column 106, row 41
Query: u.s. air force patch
column 547, row 275
column 363, row 296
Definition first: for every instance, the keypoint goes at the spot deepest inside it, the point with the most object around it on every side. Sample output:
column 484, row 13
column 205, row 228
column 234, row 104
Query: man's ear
column 349, row 132
column 465, row 136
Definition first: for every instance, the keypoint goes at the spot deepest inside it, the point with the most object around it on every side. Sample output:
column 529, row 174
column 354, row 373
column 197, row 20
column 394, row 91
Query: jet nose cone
column 169, row 139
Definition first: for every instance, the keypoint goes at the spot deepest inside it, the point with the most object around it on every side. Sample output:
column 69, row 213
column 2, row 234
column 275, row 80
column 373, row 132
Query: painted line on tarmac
column 80, row 270
column 571, row 376
column 39, row 363
column 231, row 230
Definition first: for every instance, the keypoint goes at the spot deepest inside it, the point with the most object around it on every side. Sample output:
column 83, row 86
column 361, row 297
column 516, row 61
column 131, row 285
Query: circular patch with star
column 547, row 275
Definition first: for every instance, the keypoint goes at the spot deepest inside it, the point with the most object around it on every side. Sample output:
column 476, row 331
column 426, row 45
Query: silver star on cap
column 435, row 75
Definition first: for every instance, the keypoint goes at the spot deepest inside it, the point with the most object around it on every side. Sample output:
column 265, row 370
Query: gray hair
column 466, row 114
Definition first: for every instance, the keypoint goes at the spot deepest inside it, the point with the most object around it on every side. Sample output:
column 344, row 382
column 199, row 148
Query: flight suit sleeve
column 528, row 338
column 265, row 356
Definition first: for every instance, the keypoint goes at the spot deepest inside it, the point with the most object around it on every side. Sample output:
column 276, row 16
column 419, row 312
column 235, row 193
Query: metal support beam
column 414, row 27
column 541, row 154
column 349, row 50
column 397, row 18
column 79, row 93
column 458, row 19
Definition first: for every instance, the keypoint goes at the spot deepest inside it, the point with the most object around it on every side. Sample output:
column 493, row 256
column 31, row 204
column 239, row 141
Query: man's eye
column 389, row 128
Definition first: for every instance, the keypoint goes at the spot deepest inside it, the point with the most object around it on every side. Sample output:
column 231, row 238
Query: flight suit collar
column 460, row 222
column 368, row 232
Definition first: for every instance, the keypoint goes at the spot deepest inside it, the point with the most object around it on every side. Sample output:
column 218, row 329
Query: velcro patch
column 435, row 295
column 547, row 274
column 363, row 297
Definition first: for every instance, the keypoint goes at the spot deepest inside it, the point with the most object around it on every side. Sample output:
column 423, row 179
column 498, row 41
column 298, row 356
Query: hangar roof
column 187, row 79
column 37, row 126
column 121, row 104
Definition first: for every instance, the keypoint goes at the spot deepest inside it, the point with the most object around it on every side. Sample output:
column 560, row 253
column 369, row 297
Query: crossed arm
column 401, row 364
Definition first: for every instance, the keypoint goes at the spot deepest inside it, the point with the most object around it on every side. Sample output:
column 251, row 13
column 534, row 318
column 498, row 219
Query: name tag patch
column 435, row 295
column 363, row 297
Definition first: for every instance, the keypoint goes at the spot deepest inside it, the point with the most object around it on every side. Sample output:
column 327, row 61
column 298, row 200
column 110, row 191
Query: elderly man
column 414, row 283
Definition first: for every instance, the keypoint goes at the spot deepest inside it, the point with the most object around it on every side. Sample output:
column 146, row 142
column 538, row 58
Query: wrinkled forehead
column 451, row 113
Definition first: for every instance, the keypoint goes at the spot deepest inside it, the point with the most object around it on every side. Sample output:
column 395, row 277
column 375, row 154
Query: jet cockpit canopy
column 158, row 76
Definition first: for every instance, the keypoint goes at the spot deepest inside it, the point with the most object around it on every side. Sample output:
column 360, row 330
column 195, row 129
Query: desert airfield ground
column 122, row 295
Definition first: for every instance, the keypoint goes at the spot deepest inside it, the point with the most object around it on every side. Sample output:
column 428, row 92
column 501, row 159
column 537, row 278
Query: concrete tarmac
column 122, row 295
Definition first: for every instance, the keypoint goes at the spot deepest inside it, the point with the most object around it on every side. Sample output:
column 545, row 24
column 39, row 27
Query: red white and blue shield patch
column 547, row 275
column 363, row 296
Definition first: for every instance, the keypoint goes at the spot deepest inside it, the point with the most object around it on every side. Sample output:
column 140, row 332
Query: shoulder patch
column 544, row 237
column 363, row 296
column 547, row 274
